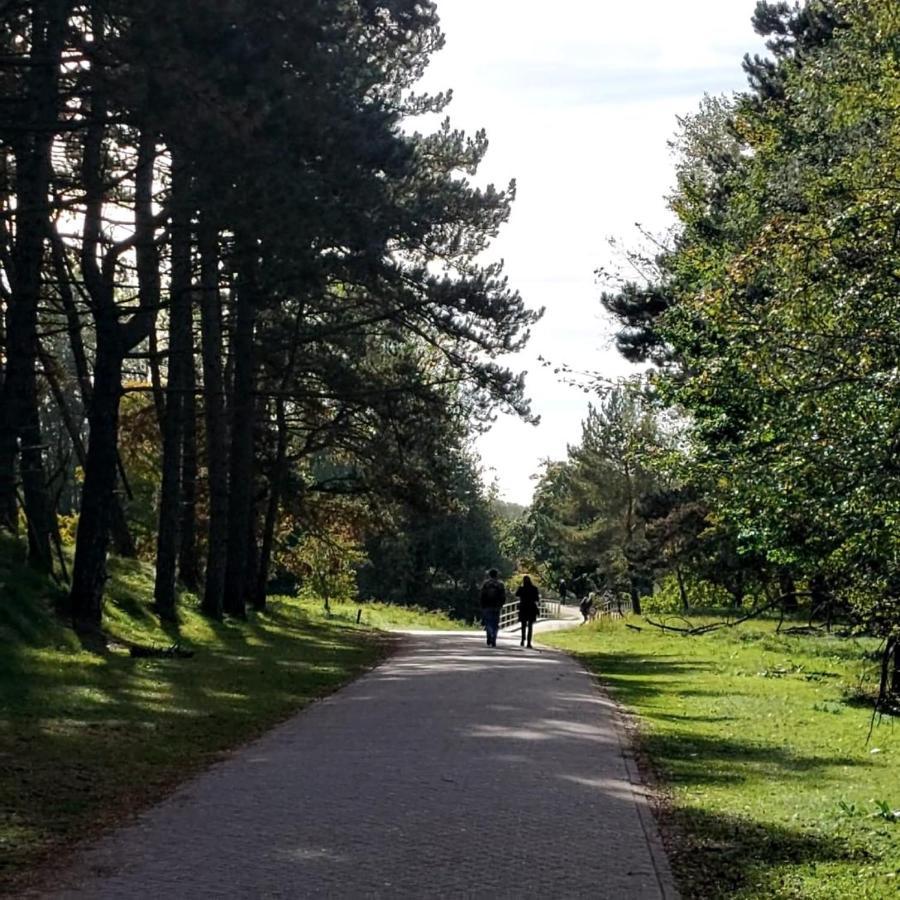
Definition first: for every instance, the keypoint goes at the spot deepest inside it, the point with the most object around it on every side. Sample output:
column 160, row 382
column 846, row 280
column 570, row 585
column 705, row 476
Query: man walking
column 493, row 596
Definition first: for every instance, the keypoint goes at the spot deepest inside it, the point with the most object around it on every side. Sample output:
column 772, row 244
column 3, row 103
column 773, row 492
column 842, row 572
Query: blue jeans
column 491, row 619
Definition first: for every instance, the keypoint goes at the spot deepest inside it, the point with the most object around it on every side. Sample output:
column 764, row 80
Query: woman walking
column 529, row 600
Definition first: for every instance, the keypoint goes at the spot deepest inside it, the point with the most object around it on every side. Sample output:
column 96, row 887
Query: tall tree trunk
column 253, row 554
column 188, row 561
column 159, row 396
column 216, row 426
column 629, row 540
column 170, row 500
column 275, row 488
column 123, row 542
column 89, row 575
column 114, row 340
column 241, row 480
column 19, row 417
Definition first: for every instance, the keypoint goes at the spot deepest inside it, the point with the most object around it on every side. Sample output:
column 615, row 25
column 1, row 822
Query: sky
column 579, row 99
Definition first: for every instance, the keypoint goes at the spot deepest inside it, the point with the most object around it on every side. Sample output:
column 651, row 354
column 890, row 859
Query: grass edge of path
column 90, row 738
column 709, row 770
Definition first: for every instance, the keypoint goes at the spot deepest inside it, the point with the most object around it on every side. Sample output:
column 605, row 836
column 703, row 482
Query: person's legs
column 530, row 631
column 492, row 618
column 524, row 629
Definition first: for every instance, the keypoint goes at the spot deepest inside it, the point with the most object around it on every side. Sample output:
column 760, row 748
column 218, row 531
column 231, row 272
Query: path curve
column 453, row 770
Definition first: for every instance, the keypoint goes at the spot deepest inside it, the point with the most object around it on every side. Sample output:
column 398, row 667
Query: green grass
column 87, row 736
column 384, row 615
column 769, row 787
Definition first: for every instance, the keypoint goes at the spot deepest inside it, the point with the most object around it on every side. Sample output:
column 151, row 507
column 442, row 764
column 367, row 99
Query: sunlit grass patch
column 379, row 615
column 771, row 787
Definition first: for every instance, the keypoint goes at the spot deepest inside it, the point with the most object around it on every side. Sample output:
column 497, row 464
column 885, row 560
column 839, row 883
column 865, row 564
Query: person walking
column 493, row 596
column 529, row 603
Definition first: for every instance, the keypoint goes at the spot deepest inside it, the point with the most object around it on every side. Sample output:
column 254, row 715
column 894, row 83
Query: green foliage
column 585, row 521
column 768, row 792
column 776, row 331
column 437, row 555
column 702, row 595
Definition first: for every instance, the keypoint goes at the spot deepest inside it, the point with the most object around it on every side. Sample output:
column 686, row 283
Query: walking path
column 453, row 770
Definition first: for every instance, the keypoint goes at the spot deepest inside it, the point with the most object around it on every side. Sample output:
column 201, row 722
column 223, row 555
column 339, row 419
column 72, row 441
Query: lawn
column 88, row 736
column 383, row 615
column 758, row 741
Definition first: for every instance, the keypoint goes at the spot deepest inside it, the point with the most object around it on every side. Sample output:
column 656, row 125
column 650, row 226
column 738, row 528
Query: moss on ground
column 759, row 742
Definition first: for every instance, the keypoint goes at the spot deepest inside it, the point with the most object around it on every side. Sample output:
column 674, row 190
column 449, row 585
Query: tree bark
column 240, row 504
column 682, row 590
column 114, row 340
column 275, row 488
column 216, row 425
column 89, row 574
column 788, row 591
column 123, row 542
column 19, row 416
column 188, row 561
column 168, row 536
column 895, row 675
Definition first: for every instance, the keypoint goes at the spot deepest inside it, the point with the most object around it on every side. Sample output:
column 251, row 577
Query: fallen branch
column 695, row 630
column 141, row 651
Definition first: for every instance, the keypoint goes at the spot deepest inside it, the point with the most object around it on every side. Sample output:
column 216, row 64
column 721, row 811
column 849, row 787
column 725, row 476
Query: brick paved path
column 453, row 770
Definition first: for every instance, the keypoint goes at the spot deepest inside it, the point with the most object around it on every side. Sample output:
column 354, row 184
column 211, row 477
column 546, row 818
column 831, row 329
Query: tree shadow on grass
column 636, row 678
column 696, row 759
column 715, row 855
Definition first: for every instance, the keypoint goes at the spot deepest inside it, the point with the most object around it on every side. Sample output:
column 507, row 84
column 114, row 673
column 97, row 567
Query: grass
column 86, row 737
column 383, row 615
column 758, row 742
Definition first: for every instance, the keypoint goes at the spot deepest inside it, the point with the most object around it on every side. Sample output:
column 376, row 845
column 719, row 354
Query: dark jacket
column 493, row 594
column 529, row 601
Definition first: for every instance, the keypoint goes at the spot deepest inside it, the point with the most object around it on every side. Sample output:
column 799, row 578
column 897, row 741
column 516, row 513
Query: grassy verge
column 382, row 615
column 769, row 787
column 87, row 737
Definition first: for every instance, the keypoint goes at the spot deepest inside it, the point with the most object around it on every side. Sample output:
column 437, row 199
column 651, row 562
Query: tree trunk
column 253, row 557
column 240, row 505
column 180, row 347
column 19, row 417
column 682, row 590
column 114, row 337
column 635, row 599
column 159, row 397
column 275, row 489
column 188, row 561
column 895, row 675
column 216, row 426
column 89, row 575
column 788, row 591
column 123, row 542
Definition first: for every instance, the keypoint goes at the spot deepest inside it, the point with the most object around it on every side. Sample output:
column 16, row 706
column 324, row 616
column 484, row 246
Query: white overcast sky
column 579, row 98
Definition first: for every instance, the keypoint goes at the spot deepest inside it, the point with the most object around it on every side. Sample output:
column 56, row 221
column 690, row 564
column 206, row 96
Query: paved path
column 453, row 770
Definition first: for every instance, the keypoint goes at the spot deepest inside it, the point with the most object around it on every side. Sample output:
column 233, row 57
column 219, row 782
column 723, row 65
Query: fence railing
column 509, row 614
column 607, row 604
